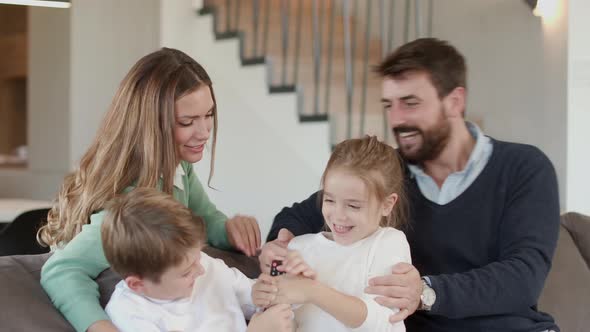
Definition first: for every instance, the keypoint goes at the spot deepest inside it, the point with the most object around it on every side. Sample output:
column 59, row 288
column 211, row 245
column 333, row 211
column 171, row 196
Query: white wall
column 108, row 37
column 517, row 72
column 578, row 158
column 48, row 108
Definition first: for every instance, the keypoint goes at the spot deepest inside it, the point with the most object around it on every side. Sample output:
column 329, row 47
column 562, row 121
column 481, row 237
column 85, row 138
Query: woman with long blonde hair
column 161, row 117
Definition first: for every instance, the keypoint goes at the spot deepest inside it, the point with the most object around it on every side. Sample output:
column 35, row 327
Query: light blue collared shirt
column 456, row 183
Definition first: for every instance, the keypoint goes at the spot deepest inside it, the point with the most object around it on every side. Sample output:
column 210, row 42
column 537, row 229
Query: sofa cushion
column 566, row 295
column 24, row 306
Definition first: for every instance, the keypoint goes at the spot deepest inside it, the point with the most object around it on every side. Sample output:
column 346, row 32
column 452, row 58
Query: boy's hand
column 278, row 318
column 295, row 265
column 264, row 291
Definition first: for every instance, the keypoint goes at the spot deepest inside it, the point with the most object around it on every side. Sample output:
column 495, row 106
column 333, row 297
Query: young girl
column 160, row 119
column 363, row 199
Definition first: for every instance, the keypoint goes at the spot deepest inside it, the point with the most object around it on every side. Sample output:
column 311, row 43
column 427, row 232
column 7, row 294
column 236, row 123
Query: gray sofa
column 24, row 306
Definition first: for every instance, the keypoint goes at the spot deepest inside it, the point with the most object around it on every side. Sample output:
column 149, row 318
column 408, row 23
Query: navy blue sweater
column 487, row 252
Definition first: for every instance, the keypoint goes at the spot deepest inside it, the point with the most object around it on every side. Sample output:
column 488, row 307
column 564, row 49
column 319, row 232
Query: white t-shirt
column 221, row 301
column 348, row 269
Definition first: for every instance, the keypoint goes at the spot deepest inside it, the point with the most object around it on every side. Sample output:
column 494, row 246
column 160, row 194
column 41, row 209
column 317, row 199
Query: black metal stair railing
column 322, row 38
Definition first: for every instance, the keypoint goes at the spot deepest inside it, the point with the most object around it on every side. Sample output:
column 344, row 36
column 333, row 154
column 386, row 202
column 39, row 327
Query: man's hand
column 401, row 290
column 295, row 265
column 278, row 318
column 243, row 234
column 275, row 250
column 264, row 291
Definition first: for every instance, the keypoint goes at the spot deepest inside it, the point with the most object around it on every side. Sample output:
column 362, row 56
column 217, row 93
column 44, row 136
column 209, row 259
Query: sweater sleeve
column 301, row 218
column 527, row 239
column 199, row 203
column 391, row 249
column 68, row 275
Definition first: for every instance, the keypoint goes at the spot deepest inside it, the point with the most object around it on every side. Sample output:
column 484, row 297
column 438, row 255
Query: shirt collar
column 178, row 175
column 477, row 153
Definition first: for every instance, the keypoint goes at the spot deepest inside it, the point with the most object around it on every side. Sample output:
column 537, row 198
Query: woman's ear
column 388, row 204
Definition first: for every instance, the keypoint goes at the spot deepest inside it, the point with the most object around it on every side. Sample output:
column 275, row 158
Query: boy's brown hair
column 145, row 232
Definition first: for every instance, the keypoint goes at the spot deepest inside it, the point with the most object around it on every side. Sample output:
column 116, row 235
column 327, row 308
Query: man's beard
column 434, row 140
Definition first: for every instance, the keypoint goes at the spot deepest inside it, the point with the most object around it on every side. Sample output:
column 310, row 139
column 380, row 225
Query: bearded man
column 484, row 214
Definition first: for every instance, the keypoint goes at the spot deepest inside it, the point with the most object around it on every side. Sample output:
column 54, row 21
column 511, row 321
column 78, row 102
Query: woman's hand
column 243, row 234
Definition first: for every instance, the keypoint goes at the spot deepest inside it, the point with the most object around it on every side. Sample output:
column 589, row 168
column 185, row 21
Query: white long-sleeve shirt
column 348, row 270
column 221, row 301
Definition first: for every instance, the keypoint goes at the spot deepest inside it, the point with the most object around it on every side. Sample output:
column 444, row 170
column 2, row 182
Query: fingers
column 244, row 234
column 235, row 235
column 390, row 291
column 388, row 280
column 402, row 268
column 399, row 316
column 250, row 227
column 285, row 236
column 295, row 265
column 257, row 237
column 267, row 279
column 393, row 303
column 264, row 291
column 271, row 251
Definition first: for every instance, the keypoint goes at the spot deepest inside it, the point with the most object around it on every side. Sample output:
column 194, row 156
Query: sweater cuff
column 434, row 283
column 217, row 235
column 85, row 313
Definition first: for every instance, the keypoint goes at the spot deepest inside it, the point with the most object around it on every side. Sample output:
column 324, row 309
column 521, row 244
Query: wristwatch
column 428, row 296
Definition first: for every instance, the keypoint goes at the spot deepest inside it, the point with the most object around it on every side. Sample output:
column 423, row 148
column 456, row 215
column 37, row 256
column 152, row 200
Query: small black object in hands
column 273, row 268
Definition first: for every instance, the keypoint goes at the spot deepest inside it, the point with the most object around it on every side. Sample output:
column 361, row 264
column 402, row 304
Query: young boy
column 154, row 243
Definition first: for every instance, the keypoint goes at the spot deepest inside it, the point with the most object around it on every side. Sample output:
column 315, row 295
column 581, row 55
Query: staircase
column 322, row 50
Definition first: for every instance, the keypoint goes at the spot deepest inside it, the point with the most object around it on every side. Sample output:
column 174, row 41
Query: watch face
column 428, row 296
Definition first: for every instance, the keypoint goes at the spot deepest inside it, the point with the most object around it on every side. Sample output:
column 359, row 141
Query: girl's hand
column 295, row 265
column 264, row 291
column 293, row 289
column 278, row 318
column 243, row 234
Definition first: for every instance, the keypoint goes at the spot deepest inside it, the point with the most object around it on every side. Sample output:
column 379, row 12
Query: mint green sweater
column 68, row 275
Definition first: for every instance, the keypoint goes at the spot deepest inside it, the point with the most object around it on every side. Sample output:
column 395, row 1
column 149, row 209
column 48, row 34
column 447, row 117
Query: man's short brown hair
column 440, row 60
column 145, row 232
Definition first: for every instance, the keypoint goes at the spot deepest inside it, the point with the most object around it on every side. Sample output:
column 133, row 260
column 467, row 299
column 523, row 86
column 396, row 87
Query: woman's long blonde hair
column 134, row 144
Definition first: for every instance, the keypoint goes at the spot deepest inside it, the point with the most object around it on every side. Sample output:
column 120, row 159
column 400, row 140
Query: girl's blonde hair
column 134, row 144
column 380, row 168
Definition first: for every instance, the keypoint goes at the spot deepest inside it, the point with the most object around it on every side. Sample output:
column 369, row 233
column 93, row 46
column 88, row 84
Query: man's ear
column 454, row 103
column 135, row 283
column 388, row 204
